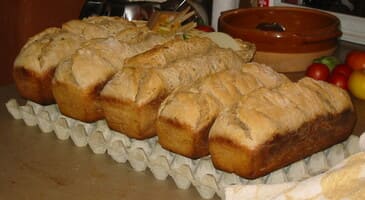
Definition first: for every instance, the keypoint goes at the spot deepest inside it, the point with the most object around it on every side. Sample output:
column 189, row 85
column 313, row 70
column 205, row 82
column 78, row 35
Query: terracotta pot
column 286, row 38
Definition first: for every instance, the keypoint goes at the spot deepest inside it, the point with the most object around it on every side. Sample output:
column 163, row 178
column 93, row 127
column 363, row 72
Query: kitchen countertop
column 36, row 165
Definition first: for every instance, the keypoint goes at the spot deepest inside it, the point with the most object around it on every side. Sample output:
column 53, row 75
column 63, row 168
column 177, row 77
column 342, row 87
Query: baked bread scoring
column 185, row 117
column 132, row 97
column 79, row 79
column 36, row 62
column 98, row 26
column 178, row 48
column 271, row 128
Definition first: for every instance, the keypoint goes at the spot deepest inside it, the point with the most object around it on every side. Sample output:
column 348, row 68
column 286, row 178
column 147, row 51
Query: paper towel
column 219, row 6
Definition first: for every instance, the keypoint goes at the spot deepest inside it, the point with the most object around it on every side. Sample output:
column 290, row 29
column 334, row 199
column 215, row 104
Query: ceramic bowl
column 286, row 38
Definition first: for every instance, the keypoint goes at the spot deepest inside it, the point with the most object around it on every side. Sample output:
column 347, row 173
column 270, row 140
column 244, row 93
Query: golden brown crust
column 231, row 157
column 88, row 70
column 33, row 86
column 269, row 129
column 97, row 26
column 78, row 103
column 170, row 51
column 35, row 64
column 283, row 149
column 181, row 139
column 186, row 116
column 143, row 88
column 124, row 114
column 130, row 119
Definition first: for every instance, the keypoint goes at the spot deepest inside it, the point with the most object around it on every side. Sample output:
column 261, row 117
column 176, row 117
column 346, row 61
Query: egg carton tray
column 148, row 154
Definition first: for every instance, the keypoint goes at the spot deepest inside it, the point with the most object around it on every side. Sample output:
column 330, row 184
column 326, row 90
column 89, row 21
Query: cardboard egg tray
column 143, row 154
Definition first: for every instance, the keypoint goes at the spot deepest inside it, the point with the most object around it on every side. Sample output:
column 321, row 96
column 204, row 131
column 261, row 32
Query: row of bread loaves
column 185, row 117
column 198, row 97
column 35, row 64
column 130, row 100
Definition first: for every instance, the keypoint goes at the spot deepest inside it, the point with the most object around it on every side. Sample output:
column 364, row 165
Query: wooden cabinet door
column 21, row 19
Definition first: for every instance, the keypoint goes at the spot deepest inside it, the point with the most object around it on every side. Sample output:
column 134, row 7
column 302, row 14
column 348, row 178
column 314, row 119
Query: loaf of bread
column 98, row 26
column 185, row 117
column 79, row 79
column 131, row 99
column 271, row 128
column 35, row 64
column 170, row 51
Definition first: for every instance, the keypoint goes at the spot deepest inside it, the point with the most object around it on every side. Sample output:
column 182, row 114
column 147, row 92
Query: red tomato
column 205, row 28
column 318, row 71
column 342, row 69
column 339, row 80
column 356, row 60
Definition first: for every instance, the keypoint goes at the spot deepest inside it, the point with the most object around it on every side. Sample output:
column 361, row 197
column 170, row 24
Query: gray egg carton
column 148, row 154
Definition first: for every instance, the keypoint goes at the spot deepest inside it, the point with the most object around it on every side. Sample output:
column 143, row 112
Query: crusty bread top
column 135, row 35
column 99, row 58
column 142, row 39
column 93, row 63
column 170, row 51
column 197, row 104
column 97, row 26
column 194, row 106
column 335, row 98
column 143, row 85
column 46, row 49
column 264, row 113
column 267, row 75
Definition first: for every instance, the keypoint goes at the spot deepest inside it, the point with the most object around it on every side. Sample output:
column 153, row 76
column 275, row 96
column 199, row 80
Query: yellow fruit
column 356, row 84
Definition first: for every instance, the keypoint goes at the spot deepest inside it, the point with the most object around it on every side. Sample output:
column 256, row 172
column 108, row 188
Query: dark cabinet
column 21, row 19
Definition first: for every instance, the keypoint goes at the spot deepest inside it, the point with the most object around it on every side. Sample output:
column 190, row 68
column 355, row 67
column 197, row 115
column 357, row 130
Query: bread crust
column 140, row 91
column 78, row 103
column 186, row 132
column 283, row 149
column 36, row 62
column 161, row 55
column 130, row 119
column 182, row 139
column 33, row 86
